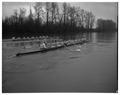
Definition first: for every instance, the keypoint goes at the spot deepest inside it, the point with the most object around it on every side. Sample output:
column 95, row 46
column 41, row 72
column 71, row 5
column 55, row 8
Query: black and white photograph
column 59, row 47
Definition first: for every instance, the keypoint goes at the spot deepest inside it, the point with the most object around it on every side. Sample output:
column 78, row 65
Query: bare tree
column 89, row 20
column 71, row 16
column 92, row 20
column 80, row 17
column 47, row 12
column 64, row 12
column 16, row 16
column 22, row 15
column 30, row 16
column 39, row 11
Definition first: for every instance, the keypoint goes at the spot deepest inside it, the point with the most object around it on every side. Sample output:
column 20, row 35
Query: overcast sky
column 103, row 10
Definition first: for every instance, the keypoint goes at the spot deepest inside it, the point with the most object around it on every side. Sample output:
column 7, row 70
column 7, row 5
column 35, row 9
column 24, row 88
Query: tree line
column 48, row 18
column 106, row 25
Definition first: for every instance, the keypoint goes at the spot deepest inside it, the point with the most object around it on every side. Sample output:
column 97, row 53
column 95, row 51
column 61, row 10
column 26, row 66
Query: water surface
column 93, row 69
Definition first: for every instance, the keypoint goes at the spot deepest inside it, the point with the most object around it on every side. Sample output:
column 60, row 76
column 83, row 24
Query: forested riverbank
column 49, row 19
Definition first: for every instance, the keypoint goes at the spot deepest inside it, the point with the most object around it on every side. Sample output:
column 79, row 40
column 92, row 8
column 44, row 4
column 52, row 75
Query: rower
column 43, row 45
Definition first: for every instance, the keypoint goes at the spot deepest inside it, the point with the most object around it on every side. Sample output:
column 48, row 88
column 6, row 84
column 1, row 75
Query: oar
column 72, row 50
column 12, row 56
column 66, row 46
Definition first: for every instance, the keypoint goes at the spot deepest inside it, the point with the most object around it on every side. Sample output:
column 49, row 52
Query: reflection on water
column 92, row 69
column 102, row 37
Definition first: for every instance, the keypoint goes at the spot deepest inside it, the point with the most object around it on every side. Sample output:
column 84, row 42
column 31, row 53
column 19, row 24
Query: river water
column 92, row 69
